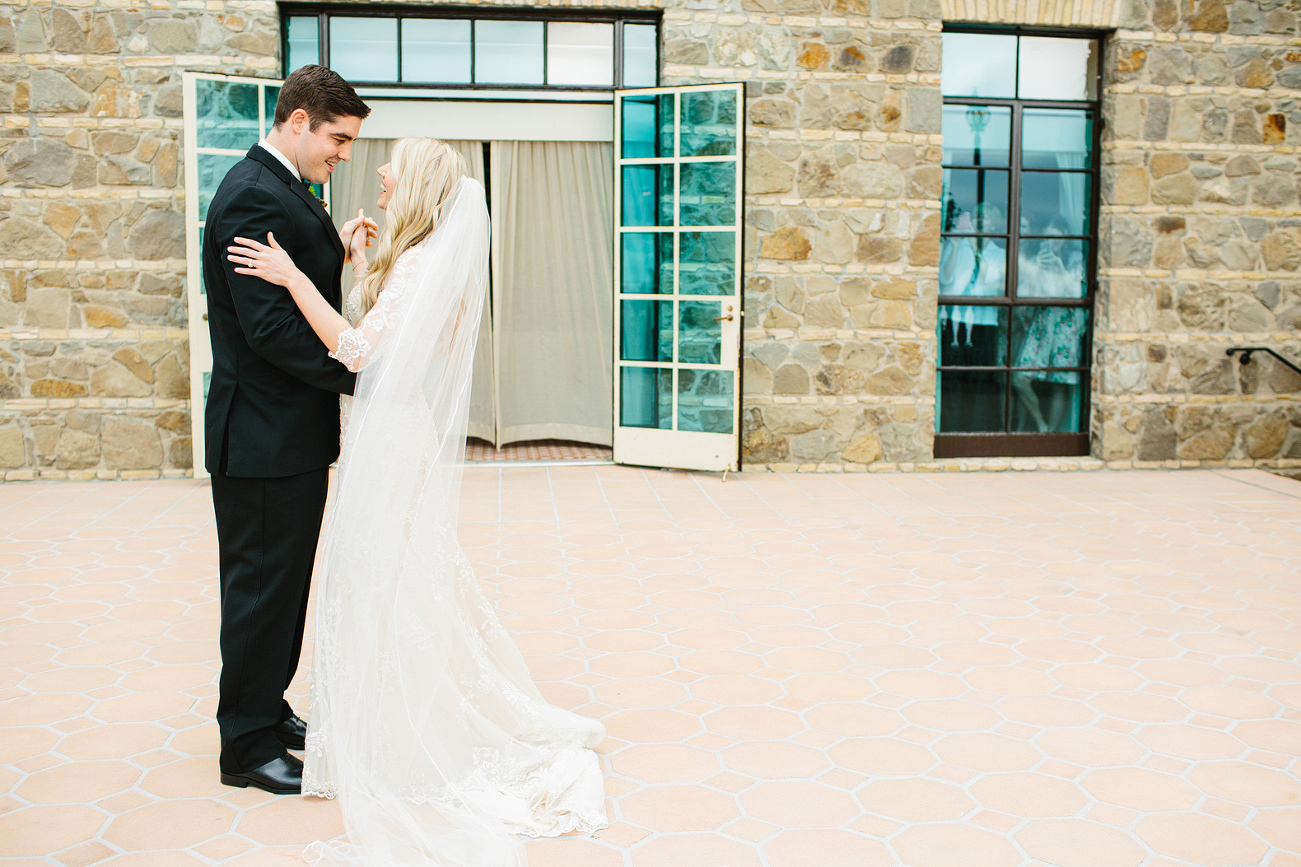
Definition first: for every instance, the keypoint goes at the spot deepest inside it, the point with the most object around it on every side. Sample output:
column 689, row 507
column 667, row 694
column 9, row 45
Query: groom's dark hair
column 320, row 92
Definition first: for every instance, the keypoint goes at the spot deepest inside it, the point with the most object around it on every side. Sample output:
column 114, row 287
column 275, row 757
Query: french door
column 224, row 116
column 677, row 255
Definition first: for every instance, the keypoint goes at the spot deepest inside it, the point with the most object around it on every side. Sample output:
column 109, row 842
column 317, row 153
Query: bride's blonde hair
column 427, row 171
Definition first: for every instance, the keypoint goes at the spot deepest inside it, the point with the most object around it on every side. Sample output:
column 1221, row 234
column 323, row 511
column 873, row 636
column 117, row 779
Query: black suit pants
column 267, row 531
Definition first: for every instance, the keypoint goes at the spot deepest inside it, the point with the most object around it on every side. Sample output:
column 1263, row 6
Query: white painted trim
column 490, row 121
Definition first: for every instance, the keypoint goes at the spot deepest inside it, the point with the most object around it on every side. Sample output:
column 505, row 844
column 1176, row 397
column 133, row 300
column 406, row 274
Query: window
column 518, row 48
column 1017, row 262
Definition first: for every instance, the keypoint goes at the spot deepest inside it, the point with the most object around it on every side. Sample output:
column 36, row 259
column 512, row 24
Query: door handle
column 727, row 318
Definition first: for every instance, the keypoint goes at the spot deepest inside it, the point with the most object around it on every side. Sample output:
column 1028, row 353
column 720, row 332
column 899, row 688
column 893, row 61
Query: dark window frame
column 618, row 17
column 1008, row 443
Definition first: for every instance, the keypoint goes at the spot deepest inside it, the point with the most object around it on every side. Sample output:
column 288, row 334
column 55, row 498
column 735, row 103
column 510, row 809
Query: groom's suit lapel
column 300, row 189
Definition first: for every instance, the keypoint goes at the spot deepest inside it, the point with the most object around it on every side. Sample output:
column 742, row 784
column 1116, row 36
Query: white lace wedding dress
column 424, row 721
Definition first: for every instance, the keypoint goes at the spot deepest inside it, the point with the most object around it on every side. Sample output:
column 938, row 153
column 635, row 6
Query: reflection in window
column 508, row 52
column 364, row 49
column 580, row 53
column 640, row 55
column 304, row 37
column 1015, row 246
column 436, row 50
column 978, row 64
column 1057, row 68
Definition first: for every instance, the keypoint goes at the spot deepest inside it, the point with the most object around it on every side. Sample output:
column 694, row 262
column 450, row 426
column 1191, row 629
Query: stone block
column 1210, row 16
column 13, row 449
column 762, row 447
column 863, row 449
column 1281, row 250
column 39, row 161
column 789, row 244
column 159, row 234
column 755, row 378
column 76, row 450
column 764, row 173
column 1265, row 438
column 1180, row 189
column 130, row 444
column 45, row 308
column 817, row 445
column 790, row 379
column 1209, row 445
column 53, row 93
column 181, row 453
column 1157, row 440
column 114, row 380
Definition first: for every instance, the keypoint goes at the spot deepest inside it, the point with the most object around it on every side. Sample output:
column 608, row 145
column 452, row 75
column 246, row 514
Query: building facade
column 870, row 225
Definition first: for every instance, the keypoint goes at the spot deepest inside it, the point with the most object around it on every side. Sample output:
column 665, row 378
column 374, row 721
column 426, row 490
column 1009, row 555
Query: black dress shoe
column 282, row 776
column 292, row 733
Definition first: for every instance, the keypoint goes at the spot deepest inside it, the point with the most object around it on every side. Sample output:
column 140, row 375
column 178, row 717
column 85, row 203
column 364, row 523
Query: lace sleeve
column 356, row 346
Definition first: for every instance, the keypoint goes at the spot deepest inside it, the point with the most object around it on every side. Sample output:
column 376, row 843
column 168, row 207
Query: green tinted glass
column 226, row 114
column 707, row 194
column 705, row 400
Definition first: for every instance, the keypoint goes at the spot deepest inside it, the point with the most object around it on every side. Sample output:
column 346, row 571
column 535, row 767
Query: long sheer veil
column 424, row 720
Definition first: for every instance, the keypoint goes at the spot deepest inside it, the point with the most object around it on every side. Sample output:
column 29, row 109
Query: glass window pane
column 705, row 400
column 364, row 49
column 700, row 335
column 1054, row 203
column 226, row 114
column 972, row 335
column 707, row 194
column 976, row 135
column 1052, row 268
column 971, row 401
column 975, row 200
column 1047, row 401
column 646, row 397
column 304, row 41
column 508, row 52
column 647, row 127
column 269, row 94
column 978, row 64
column 707, row 263
column 646, row 263
column 708, row 124
column 1049, row 337
column 647, row 195
column 1056, row 68
column 580, row 53
column 973, row 266
column 646, row 330
column 1056, row 138
column 212, row 169
column 640, row 55
column 436, row 50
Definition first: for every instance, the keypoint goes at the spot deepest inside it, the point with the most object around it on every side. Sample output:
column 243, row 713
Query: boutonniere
column 312, row 189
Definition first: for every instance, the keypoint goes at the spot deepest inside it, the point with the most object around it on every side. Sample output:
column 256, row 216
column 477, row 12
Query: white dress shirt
column 283, row 159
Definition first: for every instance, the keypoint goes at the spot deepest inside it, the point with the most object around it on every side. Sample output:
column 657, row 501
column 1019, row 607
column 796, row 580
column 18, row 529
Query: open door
column 224, row 116
column 677, row 254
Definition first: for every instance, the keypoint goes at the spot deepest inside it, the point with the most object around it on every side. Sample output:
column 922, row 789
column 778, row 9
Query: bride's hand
column 351, row 236
column 268, row 261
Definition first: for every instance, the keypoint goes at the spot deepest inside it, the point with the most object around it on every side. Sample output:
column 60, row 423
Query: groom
column 272, row 418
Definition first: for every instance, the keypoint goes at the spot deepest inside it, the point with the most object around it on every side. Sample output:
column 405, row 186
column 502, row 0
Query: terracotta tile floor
column 1078, row 669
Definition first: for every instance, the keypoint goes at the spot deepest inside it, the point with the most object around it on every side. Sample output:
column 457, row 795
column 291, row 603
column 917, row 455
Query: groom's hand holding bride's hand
column 355, row 242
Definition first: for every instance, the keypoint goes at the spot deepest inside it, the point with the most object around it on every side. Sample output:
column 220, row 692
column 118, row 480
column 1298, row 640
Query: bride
column 424, row 721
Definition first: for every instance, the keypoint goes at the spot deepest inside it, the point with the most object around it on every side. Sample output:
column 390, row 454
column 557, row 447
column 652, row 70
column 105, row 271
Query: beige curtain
column 552, row 270
column 355, row 184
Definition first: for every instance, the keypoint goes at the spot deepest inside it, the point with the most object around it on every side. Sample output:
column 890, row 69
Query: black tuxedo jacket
column 273, row 404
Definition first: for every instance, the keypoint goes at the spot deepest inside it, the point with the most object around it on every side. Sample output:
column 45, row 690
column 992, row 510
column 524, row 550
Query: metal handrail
column 1246, row 351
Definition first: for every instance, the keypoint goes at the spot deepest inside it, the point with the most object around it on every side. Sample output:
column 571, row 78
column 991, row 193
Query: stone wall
column 1200, row 236
column 1200, row 239
column 842, row 216
column 94, row 356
